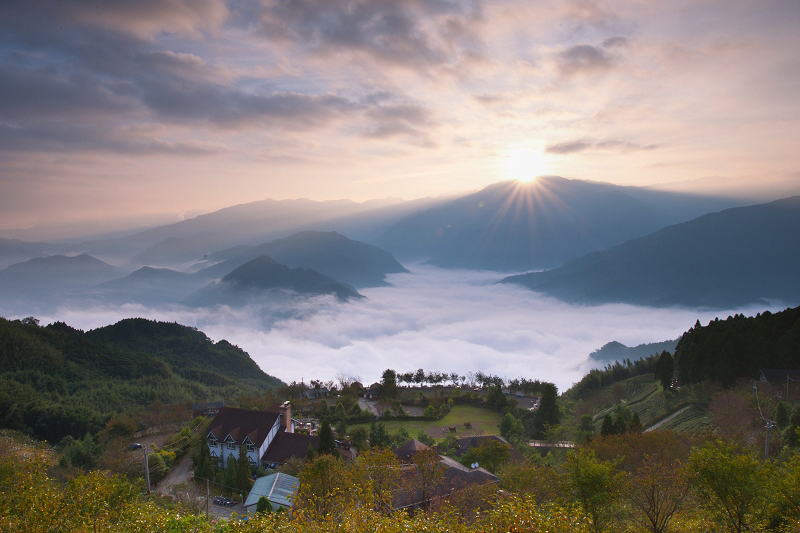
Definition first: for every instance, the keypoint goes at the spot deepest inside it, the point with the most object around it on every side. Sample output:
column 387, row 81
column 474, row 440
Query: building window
column 212, row 443
column 249, row 447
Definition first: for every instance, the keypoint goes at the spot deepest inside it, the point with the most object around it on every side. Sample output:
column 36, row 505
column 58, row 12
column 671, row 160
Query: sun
column 525, row 164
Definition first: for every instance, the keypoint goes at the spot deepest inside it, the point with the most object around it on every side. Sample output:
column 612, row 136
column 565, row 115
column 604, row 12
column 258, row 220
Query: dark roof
column 455, row 476
column 241, row 423
column 287, row 445
column 204, row 406
column 408, row 449
column 780, row 376
column 458, row 475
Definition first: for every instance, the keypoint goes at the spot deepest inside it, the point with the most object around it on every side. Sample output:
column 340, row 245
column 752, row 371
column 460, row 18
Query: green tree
column 782, row 414
column 491, row 455
column 620, row 427
column 496, row 399
column 636, row 424
column 731, row 482
column 242, row 470
column 378, row 436
column 426, row 439
column 657, row 490
column 359, row 437
column 203, row 468
column 388, row 386
column 327, row 444
column 608, row 426
column 595, row 484
column 341, row 428
column 548, row 414
column 263, row 505
column 340, row 413
column 665, row 370
column 510, row 427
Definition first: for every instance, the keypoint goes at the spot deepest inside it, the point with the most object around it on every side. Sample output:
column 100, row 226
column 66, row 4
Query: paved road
column 670, row 417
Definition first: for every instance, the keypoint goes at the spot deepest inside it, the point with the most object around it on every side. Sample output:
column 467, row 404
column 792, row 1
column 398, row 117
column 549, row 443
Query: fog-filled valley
column 316, row 287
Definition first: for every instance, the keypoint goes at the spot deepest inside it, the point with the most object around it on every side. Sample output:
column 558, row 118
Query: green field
column 483, row 421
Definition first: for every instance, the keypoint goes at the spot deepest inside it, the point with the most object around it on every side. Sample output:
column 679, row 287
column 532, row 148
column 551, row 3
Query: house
column 207, row 409
column 782, row 383
column 407, row 450
column 316, row 392
column 454, row 476
column 267, row 437
column 370, row 393
column 278, row 488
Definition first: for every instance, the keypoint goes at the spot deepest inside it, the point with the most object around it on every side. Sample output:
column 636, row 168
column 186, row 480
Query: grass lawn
column 484, row 422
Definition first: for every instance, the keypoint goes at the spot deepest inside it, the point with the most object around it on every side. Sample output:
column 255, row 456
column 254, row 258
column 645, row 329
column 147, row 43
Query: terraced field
column 483, row 422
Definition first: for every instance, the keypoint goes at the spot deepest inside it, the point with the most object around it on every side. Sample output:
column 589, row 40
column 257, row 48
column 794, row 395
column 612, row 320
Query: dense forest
column 57, row 381
column 727, row 350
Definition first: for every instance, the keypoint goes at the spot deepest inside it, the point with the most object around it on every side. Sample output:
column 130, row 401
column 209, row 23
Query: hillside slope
column 57, row 380
column 735, row 257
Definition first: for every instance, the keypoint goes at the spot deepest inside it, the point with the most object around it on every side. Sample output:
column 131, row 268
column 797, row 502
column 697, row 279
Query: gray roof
column 277, row 488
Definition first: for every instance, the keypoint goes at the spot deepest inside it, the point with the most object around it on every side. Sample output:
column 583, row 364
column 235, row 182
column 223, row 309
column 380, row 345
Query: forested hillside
column 57, row 380
column 735, row 348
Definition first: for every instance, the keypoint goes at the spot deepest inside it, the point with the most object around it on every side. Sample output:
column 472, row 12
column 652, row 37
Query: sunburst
column 525, row 164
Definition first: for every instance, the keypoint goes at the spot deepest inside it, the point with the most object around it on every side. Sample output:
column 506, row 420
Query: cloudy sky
column 128, row 109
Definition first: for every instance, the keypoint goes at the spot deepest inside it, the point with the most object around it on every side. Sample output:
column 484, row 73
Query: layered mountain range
column 600, row 242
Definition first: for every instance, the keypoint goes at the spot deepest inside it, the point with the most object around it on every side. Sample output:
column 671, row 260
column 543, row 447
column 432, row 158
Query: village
column 273, row 437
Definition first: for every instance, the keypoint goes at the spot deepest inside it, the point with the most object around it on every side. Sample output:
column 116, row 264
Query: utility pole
column 770, row 425
column 136, row 446
column 208, row 491
column 146, row 469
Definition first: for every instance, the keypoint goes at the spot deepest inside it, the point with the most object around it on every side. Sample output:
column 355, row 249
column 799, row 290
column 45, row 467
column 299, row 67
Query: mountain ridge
column 735, row 257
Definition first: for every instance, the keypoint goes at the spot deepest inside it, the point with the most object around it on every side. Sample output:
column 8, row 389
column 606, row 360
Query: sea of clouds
column 436, row 319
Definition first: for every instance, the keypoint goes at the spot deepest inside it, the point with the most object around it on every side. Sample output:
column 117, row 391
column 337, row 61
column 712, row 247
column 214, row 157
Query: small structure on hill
column 207, row 409
column 782, row 383
column 279, row 489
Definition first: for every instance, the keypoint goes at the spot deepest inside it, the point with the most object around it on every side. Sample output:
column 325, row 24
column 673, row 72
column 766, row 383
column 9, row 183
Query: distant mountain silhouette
column 178, row 244
column 331, row 254
column 254, row 280
column 616, row 351
column 735, row 257
column 149, row 286
column 16, row 251
column 44, row 274
column 512, row 226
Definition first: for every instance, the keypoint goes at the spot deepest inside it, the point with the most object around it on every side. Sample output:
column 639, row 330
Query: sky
column 124, row 112
column 435, row 319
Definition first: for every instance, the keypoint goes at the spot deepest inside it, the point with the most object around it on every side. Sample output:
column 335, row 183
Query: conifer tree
column 327, row 443
column 242, row 470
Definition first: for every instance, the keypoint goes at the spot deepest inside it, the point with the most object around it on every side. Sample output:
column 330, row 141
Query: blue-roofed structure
column 278, row 488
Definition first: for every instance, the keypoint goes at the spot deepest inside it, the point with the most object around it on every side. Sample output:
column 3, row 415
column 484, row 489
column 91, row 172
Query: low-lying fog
column 443, row 320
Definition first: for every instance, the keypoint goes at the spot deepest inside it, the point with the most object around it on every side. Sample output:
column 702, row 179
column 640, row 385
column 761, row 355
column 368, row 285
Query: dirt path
column 181, row 473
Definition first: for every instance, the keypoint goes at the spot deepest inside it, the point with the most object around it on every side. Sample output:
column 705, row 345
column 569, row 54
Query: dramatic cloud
column 368, row 98
column 454, row 321
column 410, row 33
column 583, row 59
column 608, row 144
